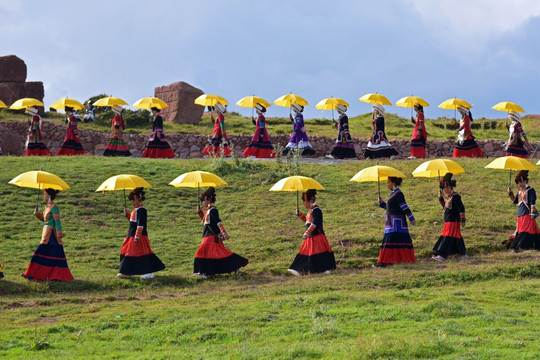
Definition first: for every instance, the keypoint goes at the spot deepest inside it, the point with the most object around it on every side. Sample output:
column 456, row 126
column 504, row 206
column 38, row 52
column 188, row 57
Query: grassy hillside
column 396, row 127
column 485, row 307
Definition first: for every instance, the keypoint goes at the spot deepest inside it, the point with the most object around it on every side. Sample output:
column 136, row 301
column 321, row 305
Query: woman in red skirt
column 261, row 144
column 450, row 242
column 72, row 142
column 212, row 257
column 34, row 144
column 136, row 256
column 397, row 246
column 117, row 145
column 419, row 137
column 49, row 260
column 527, row 235
column 219, row 136
column 315, row 255
column 517, row 140
column 157, row 146
column 465, row 145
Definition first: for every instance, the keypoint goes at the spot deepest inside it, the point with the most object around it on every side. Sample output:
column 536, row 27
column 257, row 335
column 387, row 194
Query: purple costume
column 299, row 137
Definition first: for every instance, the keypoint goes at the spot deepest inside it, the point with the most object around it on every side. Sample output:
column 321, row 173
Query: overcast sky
column 483, row 51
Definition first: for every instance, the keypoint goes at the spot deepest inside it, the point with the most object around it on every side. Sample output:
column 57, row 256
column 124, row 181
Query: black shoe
column 379, row 265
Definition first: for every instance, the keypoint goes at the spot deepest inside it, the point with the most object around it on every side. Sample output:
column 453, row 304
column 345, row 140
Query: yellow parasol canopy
column 110, row 101
column 410, row 101
column 2, row 105
column 150, row 102
column 25, row 103
column 210, row 100
column 39, row 180
column 297, row 183
column 375, row 99
column 377, row 173
column 508, row 106
column 511, row 163
column 454, row 103
column 330, row 103
column 437, row 168
column 62, row 103
column 197, row 179
column 123, row 182
column 289, row 99
column 251, row 101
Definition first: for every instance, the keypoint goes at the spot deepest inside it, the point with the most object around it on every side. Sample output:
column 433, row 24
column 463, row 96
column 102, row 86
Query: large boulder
column 12, row 91
column 10, row 142
column 12, row 69
column 180, row 97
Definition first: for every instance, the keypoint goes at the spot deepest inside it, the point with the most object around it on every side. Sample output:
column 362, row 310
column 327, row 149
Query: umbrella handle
column 297, row 203
column 379, row 186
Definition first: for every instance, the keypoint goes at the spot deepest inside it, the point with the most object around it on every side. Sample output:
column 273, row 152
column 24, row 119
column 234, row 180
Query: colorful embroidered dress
column 419, row 137
column 344, row 147
column 465, row 145
column 378, row 146
column 136, row 256
column 261, row 144
column 212, row 257
column 451, row 242
column 72, row 142
column 117, row 146
column 219, row 137
column 49, row 260
column 397, row 246
column 299, row 138
column 34, row 143
column 515, row 145
column 157, row 146
column 527, row 233
column 315, row 254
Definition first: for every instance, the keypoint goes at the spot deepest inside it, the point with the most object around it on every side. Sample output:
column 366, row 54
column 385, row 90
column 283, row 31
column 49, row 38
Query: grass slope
column 482, row 308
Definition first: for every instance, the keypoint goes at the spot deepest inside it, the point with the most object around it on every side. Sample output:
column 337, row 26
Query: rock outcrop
column 13, row 85
column 180, row 97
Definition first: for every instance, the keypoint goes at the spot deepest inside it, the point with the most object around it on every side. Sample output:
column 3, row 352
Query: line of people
column 315, row 255
column 261, row 144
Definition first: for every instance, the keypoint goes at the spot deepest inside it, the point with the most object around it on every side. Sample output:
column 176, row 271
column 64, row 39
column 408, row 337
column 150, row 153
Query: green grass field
column 397, row 127
column 482, row 308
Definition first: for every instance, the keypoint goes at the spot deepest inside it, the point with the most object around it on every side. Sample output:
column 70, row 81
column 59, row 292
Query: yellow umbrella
column 251, row 101
column 410, row 101
column 289, row 99
column 297, row 183
column 62, row 103
column 377, row 173
column 39, row 180
column 330, row 104
column 198, row 179
column 434, row 168
column 508, row 106
column 150, row 102
column 375, row 99
column 110, row 101
column 123, row 182
column 210, row 100
column 25, row 103
column 454, row 103
column 2, row 105
column 511, row 163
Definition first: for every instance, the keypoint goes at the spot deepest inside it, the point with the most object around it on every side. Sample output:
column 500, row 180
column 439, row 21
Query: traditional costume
column 261, row 144
column 451, row 242
column 117, row 146
column 378, row 145
column 315, row 254
column 219, row 136
column 419, row 136
column 136, row 256
column 1, row 271
column 72, row 142
column 344, row 147
column 397, row 246
column 157, row 146
column 517, row 138
column 299, row 137
column 527, row 235
column 49, row 260
column 465, row 145
column 34, row 142
column 212, row 257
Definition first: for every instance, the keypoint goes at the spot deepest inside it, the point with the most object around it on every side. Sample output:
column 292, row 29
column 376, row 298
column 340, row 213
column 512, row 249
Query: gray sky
column 483, row 51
